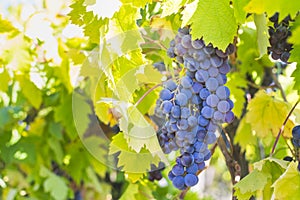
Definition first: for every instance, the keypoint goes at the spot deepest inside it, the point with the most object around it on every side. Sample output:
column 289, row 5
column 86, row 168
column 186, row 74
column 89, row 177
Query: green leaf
column 56, row 147
column 130, row 192
column 5, row 78
column 130, row 160
column 137, row 3
column 53, row 184
column 272, row 6
column 262, row 34
column 296, row 75
column 77, row 13
column 188, row 12
column 261, row 109
column 287, row 185
column 218, row 28
column 239, row 13
column 63, row 114
column 170, row 7
column 30, row 91
column 148, row 74
column 244, row 135
column 237, row 84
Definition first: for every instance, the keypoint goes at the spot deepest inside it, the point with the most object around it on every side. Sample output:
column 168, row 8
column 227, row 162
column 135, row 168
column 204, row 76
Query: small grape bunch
column 296, row 143
column 155, row 173
column 279, row 34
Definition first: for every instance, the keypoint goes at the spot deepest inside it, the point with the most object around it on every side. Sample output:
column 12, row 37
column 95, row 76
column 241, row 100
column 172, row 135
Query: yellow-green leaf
column 266, row 114
column 262, row 34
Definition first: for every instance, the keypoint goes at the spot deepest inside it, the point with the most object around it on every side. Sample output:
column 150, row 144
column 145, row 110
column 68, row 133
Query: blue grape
column 187, row 159
column 207, row 112
column 225, row 68
column 178, row 170
column 207, row 154
column 229, row 117
column 200, row 146
column 193, row 169
column 199, row 56
column 204, row 93
column 170, row 85
column 181, row 99
column 198, row 44
column 192, row 121
column 212, row 84
column 218, row 116
column 296, row 132
column 186, row 82
column 205, row 64
column 202, row 121
column 198, row 157
column 210, row 138
column 212, row 100
column 222, row 92
column 175, row 111
column 182, row 124
column 213, row 72
column 190, row 180
column 186, row 41
column 178, row 182
column 209, row 49
column 201, row 75
column 185, row 112
column 171, row 176
column 196, row 87
column 188, row 93
column 223, row 106
column 216, row 61
column 201, row 165
column 196, row 100
column 165, row 94
column 179, row 50
column 166, row 107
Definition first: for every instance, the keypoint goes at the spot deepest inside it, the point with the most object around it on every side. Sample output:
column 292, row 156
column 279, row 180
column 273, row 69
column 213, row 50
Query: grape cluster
column 279, row 34
column 195, row 107
column 155, row 173
column 296, row 143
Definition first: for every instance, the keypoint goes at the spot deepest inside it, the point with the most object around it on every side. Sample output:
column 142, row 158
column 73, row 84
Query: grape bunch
column 155, row 173
column 296, row 143
column 279, row 34
column 195, row 107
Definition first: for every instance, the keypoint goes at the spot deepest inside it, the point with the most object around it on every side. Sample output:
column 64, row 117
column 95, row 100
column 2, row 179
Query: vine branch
column 282, row 127
column 146, row 93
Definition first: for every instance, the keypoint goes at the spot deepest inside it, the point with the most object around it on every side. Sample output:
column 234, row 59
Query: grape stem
column 282, row 127
column 146, row 93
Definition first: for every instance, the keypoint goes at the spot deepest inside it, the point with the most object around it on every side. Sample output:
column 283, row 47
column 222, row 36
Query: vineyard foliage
column 79, row 81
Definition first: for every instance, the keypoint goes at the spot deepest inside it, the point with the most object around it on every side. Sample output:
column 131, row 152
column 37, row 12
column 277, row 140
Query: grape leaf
column 261, row 109
column 170, row 7
column 100, row 8
column 262, row 34
column 272, row 6
column 7, row 27
column 236, row 83
column 287, row 186
column 244, row 135
column 129, row 160
column 137, row 3
column 5, row 78
column 264, row 174
column 54, row 184
column 130, row 192
column 148, row 74
column 218, row 28
column 296, row 74
column 30, row 91
column 188, row 12
column 239, row 13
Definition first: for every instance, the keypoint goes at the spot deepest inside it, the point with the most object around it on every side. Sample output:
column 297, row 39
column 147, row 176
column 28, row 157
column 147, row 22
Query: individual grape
column 213, row 72
column 205, row 64
column 202, row 121
column 188, row 93
column 223, row 106
column 190, row 180
column 212, row 100
column 165, row 94
column 229, row 117
column 207, row 112
column 200, row 146
column 192, row 121
column 199, row 56
column 166, row 107
column 171, row 176
column 185, row 112
column 197, row 44
column 201, row 75
column 212, row 84
column 170, row 85
column 178, row 182
column 221, row 54
column 225, row 68
column 198, row 157
column 204, row 93
column 209, row 49
column 186, row 41
column 201, row 166
column 216, row 61
column 296, row 132
column 187, row 159
column 182, row 124
column 178, row 170
column 192, row 169
column 181, row 99
column 207, row 155
column 210, row 138
column 179, row 50
column 196, row 99
column 223, row 92
column 176, row 111
column 196, row 87
column 218, row 116
column 230, row 104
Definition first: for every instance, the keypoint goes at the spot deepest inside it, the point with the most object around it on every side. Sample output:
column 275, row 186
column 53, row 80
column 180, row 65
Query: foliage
column 70, row 72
